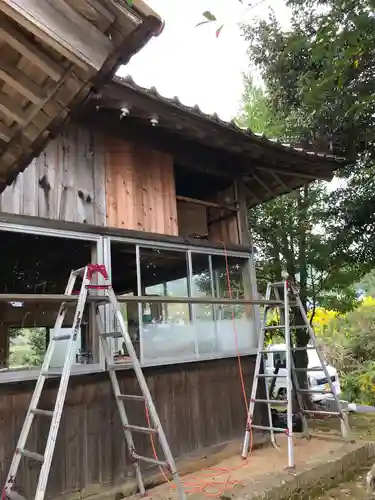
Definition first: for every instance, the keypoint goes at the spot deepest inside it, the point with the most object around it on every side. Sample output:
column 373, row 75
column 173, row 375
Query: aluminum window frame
column 21, row 375
column 189, row 250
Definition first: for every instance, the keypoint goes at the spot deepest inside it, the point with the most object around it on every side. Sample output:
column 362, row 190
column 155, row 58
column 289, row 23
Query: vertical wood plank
column 72, row 163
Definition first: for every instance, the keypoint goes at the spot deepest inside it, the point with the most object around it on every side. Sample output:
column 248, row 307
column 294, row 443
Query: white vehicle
column 317, row 379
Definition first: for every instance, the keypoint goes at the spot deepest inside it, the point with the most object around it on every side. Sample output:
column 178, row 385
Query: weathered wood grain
column 199, row 404
column 66, row 182
column 140, row 188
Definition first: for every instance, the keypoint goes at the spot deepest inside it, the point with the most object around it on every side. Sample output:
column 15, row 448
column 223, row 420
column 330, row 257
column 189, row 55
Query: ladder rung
column 102, row 302
column 267, row 428
column 43, row 413
column 273, row 327
column 132, row 397
column 315, row 391
column 321, row 412
column 32, row 454
column 78, row 272
column 114, row 335
column 265, row 375
column 271, row 401
column 137, row 428
column 62, row 337
column 120, row 366
column 315, row 369
column 51, row 374
column 13, row 495
column 306, row 348
column 153, row 461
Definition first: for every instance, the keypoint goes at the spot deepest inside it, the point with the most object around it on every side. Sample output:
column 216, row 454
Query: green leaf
column 209, row 16
column 130, row 3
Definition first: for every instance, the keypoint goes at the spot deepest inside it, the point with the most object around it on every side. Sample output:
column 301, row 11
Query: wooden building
column 159, row 193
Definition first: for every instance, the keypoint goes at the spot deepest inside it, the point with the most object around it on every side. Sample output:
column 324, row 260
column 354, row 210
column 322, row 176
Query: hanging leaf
column 130, row 3
column 209, row 16
column 218, row 31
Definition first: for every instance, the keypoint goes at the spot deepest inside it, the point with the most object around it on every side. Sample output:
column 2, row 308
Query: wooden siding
column 226, row 229
column 199, row 404
column 140, row 188
column 66, row 182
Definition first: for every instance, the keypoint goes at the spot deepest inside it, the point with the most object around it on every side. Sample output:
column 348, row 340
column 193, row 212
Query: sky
column 190, row 62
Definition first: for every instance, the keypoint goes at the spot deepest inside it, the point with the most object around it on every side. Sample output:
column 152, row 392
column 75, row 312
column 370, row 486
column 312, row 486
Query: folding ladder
column 54, row 415
column 288, row 296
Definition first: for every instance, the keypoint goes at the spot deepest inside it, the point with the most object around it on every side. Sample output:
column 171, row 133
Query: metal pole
column 288, row 376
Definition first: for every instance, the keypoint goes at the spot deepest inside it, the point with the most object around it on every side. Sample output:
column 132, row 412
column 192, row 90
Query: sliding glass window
column 170, row 332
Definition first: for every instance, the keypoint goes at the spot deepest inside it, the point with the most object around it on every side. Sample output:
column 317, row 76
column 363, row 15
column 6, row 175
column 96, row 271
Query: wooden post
column 249, row 275
column 4, row 345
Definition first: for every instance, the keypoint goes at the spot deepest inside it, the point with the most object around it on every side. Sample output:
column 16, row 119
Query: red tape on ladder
column 97, row 269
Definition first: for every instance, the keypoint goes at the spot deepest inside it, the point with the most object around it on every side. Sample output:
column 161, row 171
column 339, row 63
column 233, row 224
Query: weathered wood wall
column 140, row 188
column 66, row 182
column 226, row 228
column 200, row 404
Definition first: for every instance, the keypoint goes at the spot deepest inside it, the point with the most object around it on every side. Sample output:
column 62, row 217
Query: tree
column 293, row 234
column 320, row 76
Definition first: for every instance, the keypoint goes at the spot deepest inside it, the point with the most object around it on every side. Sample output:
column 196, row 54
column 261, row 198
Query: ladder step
column 62, row 337
column 32, row 454
column 137, row 428
column 315, row 369
column 271, row 401
column 43, row 413
column 13, row 495
column 114, row 335
column 306, row 348
column 79, row 272
column 264, row 375
column 267, row 428
column 273, row 327
column 130, row 397
column 315, row 391
column 51, row 374
column 321, row 412
column 153, row 461
column 120, row 366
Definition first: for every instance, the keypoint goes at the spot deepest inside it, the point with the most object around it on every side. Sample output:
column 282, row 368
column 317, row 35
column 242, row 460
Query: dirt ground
column 214, row 481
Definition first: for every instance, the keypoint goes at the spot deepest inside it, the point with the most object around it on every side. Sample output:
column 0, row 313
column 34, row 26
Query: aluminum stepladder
column 288, row 296
column 108, row 297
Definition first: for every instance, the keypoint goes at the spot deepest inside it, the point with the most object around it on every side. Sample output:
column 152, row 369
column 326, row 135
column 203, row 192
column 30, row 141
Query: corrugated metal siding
column 140, row 188
column 66, row 182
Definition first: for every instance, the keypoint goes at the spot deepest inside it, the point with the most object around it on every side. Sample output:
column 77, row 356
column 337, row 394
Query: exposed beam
column 263, row 184
column 11, row 110
column 278, row 180
column 5, row 133
column 14, row 38
column 17, row 80
column 206, row 203
column 296, row 173
column 62, row 28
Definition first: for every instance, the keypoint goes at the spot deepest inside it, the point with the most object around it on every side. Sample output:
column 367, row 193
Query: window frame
column 190, row 250
column 97, row 254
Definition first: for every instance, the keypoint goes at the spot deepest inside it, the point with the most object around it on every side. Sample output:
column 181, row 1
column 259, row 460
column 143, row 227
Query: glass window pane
column 168, row 334
column 204, row 314
column 235, row 324
column 124, row 283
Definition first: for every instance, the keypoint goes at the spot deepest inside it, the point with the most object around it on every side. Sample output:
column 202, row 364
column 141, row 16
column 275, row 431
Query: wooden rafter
column 14, row 38
column 21, row 83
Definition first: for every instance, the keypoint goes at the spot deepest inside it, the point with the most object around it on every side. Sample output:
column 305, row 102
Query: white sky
column 190, row 62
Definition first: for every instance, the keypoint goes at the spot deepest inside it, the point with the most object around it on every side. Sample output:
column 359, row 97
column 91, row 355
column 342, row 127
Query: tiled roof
column 153, row 92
